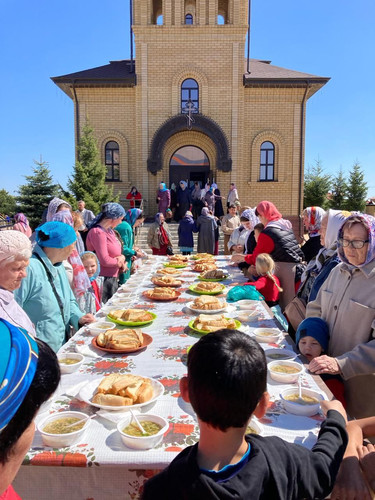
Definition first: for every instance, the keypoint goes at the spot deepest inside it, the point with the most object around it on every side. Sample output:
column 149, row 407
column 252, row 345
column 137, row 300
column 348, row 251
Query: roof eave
column 66, row 84
column 316, row 83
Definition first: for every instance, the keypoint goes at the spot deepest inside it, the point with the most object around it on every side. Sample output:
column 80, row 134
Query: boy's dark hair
column 44, row 384
column 259, row 227
column 227, row 375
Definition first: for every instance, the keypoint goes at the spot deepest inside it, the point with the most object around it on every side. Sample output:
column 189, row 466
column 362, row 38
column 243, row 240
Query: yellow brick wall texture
column 214, row 56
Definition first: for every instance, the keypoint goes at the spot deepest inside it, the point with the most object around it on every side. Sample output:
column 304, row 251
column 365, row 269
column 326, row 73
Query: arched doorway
column 190, row 164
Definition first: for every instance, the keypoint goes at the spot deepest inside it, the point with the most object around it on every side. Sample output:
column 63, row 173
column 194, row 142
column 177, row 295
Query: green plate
column 238, row 324
column 132, row 323
column 192, row 288
column 176, row 266
column 213, row 279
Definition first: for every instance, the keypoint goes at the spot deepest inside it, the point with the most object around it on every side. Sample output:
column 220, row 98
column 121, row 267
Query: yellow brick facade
column 248, row 115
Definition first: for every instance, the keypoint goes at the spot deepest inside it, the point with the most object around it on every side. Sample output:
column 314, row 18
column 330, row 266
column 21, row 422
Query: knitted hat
column 13, row 243
column 55, row 235
column 316, row 328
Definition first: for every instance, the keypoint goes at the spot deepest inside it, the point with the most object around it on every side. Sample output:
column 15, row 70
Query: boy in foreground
column 226, row 384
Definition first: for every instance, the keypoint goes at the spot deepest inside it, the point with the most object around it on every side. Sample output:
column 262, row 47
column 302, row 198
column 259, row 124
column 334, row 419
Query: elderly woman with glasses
column 346, row 301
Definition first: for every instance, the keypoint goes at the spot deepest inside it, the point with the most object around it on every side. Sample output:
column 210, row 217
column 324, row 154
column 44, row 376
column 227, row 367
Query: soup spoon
column 80, row 421
column 137, row 422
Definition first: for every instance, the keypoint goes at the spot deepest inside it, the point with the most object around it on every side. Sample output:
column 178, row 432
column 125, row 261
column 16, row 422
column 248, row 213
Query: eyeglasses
column 357, row 244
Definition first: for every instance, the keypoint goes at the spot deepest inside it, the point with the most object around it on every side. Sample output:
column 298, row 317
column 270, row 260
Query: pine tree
column 88, row 182
column 357, row 189
column 35, row 195
column 316, row 186
column 339, row 191
column 7, row 203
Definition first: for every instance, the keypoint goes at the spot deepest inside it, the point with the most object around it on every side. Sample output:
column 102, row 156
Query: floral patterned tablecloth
column 100, row 466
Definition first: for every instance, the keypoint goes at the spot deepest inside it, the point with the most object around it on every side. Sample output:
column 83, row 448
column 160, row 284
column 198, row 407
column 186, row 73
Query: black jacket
column 286, row 246
column 276, row 470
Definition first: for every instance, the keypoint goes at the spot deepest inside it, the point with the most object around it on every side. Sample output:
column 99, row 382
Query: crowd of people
column 53, row 281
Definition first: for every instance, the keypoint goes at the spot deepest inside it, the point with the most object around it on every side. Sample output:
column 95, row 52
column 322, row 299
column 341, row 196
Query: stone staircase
column 141, row 238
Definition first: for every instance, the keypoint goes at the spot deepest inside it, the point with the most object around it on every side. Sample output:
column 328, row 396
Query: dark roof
column 114, row 74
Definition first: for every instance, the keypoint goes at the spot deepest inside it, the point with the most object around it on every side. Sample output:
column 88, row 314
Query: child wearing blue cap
column 312, row 339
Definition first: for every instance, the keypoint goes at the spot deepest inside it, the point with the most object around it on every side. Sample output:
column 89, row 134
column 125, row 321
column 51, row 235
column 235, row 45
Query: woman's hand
column 120, row 261
column 367, row 461
column 86, row 319
column 324, row 364
column 238, row 258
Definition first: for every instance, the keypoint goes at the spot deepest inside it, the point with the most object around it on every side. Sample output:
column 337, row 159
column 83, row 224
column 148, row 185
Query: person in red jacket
column 267, row 284
column 135, row 197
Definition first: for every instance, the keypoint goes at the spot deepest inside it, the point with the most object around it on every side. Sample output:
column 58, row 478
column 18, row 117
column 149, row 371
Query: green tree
column 316, row 186
column 88, row 181
column 7, row 203
column 35, row 195
column 339, row 191
column 357, row 189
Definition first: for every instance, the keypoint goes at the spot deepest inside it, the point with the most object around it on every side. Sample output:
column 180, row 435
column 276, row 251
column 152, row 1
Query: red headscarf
column 268, row 210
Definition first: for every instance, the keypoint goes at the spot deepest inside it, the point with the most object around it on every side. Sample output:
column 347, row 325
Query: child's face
column 90, row 266
column 310, row 347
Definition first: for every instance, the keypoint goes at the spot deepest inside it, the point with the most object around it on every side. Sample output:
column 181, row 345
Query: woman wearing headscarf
column 346, row 301
column 15, row 252
column 206, row 226
column 232, row 195
column 133, row 218
column 186, row 229
column 158, row 236
column 278, row 240
column 79, row 282
column 56, row 205
column 45, row 294
column 312, row 219
column 22, row 224
column 209, row 200
column 183, row 200
column 29, row 375
column 163, row 198
column 103, row 240
column 196, row 197
column 219, row 212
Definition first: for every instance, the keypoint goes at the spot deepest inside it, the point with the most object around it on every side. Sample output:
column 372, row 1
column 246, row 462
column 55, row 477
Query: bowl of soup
column 58, row 430
column 99, row 327
column 132, row 437
column 285, row 372
column 308, row 405
column 247, row 305
column 267, row 335
column 254, row 426
column 69, row 362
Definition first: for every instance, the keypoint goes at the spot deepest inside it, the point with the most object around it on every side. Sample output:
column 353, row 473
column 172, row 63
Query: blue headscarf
column 164, row 188
column 133, row 215
column 184, row 184
column 18, row 362
column 60, row 235
column 97, row 272
column 316, row 328
column 109, row 211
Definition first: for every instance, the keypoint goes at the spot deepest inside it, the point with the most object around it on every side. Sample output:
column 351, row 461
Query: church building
column 191, row 106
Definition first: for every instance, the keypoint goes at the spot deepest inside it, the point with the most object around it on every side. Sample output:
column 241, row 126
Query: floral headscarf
column 133, row 215
column 109, row 211
column 53, row 206
column 268, row 210
column 249, row 214
column 157, row 218
column 369, row 222
column 21, row 218
column 314, row 216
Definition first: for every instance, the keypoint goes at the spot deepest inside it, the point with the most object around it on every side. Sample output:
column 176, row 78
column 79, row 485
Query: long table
column 100, row 467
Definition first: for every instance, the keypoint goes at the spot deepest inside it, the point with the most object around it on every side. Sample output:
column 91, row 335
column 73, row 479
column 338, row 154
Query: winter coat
column 186, row 229
column 206, row 226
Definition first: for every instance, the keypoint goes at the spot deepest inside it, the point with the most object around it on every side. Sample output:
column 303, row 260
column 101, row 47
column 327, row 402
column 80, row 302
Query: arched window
column 112, row 161
column 189, row 19
column 189, row 91
column 267, row 161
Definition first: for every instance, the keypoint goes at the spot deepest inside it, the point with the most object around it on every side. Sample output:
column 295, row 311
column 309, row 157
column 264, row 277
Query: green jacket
column 126, row 232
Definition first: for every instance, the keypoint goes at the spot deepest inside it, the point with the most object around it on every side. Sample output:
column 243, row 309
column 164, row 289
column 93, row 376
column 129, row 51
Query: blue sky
column 40, row 39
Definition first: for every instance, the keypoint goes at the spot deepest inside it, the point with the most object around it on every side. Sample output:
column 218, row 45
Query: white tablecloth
column 100, row 466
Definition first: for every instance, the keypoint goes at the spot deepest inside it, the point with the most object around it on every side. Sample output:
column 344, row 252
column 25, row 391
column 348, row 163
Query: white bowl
column 279, row 354
column 305, row 410
column 246, row 304
column 62, row 440
column 99, row 327
column 267, row 335
column 121, row 301
column 73, row 367
column 142, row 442
column 285, row 378
column 254, row 427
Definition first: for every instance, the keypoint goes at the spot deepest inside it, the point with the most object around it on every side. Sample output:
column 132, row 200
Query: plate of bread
column 166, row 281
column 199, row 256
column 178, row 257
column 213, row 275
column 162, row 293
column 121, row 392
column 207, row 304
column 207, row 288
column 200, row 267
column 131, row 317
column 177, row 264
column 205, row 323
column 122, row 341
column 169, row 271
